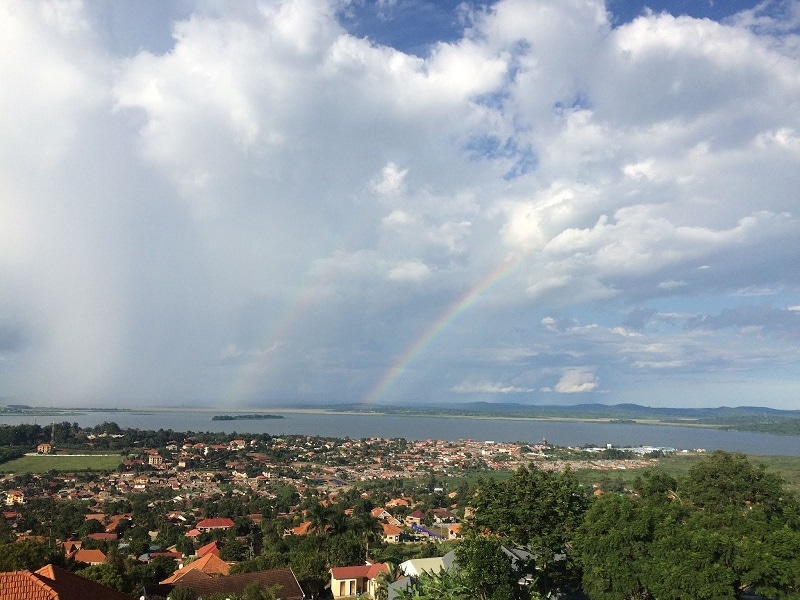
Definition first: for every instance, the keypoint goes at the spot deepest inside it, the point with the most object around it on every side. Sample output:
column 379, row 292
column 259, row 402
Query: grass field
column 788, row 467
column 42, row 464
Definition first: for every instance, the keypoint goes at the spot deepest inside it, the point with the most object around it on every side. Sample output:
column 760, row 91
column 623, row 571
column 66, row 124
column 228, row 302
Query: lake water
column 444, row 428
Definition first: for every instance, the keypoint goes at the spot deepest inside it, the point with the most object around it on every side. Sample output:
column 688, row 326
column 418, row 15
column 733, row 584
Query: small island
column 248, row 417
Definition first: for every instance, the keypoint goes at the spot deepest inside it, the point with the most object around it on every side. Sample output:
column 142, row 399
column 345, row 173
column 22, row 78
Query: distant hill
column 575, row 411
column 742, row 418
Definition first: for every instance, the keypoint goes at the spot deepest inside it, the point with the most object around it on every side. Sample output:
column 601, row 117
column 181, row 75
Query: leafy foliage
column 486, row 569
column 30, row 555
column 442, row 585
column 538, row 510
column 727, row 527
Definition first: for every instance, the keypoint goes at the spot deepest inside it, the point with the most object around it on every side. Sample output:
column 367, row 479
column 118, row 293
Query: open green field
column 788, row 467
column 70, row 463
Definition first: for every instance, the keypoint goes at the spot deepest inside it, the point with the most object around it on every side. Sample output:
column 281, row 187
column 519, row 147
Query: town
column 187, row 501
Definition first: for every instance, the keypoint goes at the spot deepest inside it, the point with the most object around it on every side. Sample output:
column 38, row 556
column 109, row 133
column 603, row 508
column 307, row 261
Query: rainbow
column 449, row 315
column 249, row 380
column 250, row 377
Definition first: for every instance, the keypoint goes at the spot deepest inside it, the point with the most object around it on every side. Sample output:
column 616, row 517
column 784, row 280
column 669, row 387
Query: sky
column 400, row 202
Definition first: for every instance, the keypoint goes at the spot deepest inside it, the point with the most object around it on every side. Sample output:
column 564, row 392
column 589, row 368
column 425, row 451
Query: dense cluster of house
column 206, row 572
column 314, row 466
column 54, row 583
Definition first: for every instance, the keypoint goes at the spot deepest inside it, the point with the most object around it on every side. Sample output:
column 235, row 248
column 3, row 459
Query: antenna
column 53, row 434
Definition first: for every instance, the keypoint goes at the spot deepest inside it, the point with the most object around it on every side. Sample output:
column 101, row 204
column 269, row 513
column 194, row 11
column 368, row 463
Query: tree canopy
column 536, row 510
column 727, row 528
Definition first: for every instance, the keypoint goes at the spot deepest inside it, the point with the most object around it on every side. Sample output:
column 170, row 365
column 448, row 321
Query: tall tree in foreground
column 442, row 585
column 486, row 570
column 536, row 510
column 728, row 528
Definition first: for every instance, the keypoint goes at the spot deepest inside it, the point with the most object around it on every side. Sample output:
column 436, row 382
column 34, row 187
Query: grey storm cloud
column 250, row 204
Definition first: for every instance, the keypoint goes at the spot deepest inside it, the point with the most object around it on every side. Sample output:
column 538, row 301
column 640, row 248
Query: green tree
column 441, row 585
column 182, row 593
column 345, row 549
column 107, row 574
column 385, row 578
column 486, row 569
column 309, row 567
column 728, row 527
column 538, row 510
column 234, row 550
column 613, row 543
column 271, row 559
column 90, row 526
column 320, row 517
column 30, row 555
column 730, row 480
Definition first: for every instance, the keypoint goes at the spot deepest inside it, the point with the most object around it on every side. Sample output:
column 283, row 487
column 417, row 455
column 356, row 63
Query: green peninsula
column 247, row 417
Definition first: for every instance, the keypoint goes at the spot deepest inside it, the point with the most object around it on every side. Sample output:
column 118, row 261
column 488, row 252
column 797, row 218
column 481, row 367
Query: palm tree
column 368, row 528
column 446, row 584
column 384, row 579
column 320, row 517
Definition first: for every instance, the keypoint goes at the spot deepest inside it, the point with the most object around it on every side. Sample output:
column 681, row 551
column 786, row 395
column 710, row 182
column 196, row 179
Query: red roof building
column 391, row 533
column 210, row 548
column 210, row 564
column 357, row 580
column 282, row 580
column 219, row 523
column 90, row 557
column 53, row 583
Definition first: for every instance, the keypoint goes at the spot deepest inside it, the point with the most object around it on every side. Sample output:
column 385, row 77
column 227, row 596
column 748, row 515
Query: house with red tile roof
column 397, row 502
column 357, row 580
column 210, row 564
column 103, row 536
column 99, row 517
column 454, row 531
column 15, row 497
column 210, row 548
column 382, row 514
column 90, row 557
column 415, row 518
column 53, row 583
column 115, row 520
column 216, row 524
column 391, row 533
column 303, row 529
column 237, row 445
column 442, row 515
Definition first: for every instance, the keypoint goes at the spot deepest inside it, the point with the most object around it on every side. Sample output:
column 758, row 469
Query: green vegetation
column 248, row 417
column 60, row 463
column 536, row 510
column 698, row 526
column 725, row 530
column 742, row 418
column 679, row 465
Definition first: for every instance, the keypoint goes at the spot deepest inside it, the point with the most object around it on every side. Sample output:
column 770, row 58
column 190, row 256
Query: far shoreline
column 412, row 414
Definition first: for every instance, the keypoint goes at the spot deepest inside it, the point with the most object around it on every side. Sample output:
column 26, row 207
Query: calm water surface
column 444, row 428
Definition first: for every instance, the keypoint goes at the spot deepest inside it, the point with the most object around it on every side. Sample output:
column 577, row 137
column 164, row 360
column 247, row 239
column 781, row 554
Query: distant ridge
column 624, row 410
column 741, row 418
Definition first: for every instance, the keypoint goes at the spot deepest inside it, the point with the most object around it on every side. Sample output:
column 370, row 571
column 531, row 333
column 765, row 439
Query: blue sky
column 399, row 202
